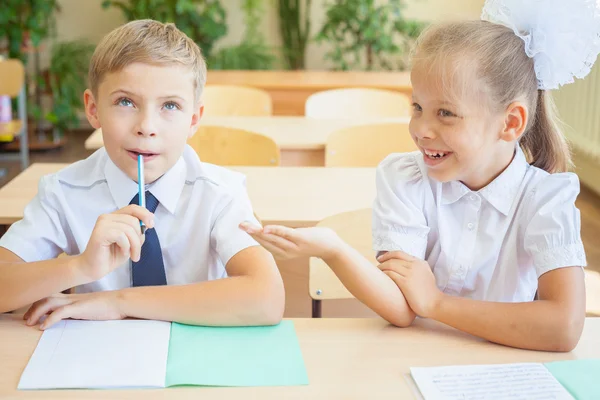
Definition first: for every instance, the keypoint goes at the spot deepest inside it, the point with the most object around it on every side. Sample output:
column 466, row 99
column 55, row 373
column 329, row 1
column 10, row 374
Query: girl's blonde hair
column 498, row 59
column 149, row 42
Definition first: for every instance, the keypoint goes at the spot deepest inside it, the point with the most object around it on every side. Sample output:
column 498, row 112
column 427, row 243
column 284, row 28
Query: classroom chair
column 367, row 145
column 12, row 84
column 354, row 227
column 232, row 146
column 357, row 103
column 239, row 101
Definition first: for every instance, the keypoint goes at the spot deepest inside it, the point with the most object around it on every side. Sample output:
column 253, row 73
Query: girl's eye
column 417, row 107
column 124, row 102
column 171, row 106
column 446, row 113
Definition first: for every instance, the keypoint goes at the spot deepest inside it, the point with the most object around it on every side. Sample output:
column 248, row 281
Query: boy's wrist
column 77, row 270
column 121, row 301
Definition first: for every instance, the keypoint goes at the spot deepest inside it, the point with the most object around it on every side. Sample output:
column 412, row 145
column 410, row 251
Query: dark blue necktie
column 150, row 270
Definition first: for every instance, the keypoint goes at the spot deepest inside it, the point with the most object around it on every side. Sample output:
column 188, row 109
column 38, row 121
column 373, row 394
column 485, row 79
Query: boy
column 193, row 265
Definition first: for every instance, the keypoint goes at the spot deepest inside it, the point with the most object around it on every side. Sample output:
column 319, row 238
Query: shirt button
column 473, row 198
column 470, row 226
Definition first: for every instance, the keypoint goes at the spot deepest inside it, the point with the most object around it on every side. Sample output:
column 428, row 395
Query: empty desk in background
column 301, row 140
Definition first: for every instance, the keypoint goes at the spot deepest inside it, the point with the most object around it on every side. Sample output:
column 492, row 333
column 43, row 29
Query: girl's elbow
column 567, row 335
column 570, row 336
column 402, row 321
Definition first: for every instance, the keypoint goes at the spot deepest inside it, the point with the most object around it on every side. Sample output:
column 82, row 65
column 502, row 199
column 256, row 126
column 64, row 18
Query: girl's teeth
column 435, row 155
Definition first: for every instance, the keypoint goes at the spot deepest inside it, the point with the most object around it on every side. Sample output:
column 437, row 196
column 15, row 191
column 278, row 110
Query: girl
column 483, row 216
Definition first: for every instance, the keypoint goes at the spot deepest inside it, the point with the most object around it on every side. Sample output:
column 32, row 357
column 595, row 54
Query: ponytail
column 543, row 143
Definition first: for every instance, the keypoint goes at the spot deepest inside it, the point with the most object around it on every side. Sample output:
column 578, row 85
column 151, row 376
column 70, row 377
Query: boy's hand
column 115, row 238
column 90, row 306
column 415, row 279
column 287, row 243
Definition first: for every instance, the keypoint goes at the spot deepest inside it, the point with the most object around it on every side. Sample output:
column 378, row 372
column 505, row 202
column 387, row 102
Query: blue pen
column 141, row 191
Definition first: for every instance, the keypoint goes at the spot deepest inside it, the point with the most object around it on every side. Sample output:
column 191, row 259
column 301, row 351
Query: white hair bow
column 562, row 36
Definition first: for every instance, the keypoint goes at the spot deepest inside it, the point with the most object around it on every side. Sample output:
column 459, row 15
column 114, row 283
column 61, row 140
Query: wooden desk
column 290, row 89
column 301, row 140
column 344, row 358
column 290, row 196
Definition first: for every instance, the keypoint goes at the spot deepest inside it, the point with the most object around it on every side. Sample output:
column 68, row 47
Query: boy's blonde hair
column 149, row 42
column 490, row 57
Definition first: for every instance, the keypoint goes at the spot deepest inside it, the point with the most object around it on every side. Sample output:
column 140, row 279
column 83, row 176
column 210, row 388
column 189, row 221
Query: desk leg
column 316, row 308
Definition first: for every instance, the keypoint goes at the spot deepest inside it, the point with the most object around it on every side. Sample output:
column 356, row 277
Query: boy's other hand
column 115, row 238
column 88, row 306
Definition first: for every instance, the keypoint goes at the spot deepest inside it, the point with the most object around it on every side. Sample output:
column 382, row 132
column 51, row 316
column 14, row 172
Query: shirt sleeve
column 226, row 236
column 553, row 233
column 399, row 222
column 40, row 235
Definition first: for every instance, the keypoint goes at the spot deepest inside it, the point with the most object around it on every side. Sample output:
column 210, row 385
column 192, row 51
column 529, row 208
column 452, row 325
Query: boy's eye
column 124, row 102
column 416, row 107
column 171, row 106
column 446, row 113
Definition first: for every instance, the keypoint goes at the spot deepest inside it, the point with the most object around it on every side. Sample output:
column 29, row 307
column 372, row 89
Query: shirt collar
column 167, row 189
column 500, row 193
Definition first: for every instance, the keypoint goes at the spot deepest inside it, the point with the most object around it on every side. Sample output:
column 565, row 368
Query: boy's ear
column 196, row 117
column 515, row 121
column 91, row 108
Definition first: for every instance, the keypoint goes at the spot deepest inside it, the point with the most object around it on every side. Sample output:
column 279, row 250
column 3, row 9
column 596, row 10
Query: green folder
column 580, row 377
column 248, row 356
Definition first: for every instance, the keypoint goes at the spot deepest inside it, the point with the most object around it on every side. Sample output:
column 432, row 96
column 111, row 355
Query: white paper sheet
column 99, row 354
column 526, row 381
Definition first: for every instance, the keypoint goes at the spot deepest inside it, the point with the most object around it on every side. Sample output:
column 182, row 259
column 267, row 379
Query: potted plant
column 294, row 25
column 67, row 80
column 365, row 34
column 252, row 53
column 202, row 20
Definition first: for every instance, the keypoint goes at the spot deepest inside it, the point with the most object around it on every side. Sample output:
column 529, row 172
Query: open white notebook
column 88, row 349
column 525, row 381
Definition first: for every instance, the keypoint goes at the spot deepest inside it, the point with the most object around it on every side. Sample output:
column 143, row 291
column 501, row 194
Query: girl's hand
column 287, row 243
column 415, row 279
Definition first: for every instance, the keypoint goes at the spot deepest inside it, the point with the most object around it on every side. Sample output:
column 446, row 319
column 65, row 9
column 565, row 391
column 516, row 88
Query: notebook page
column 526, row 381
column 99, row 355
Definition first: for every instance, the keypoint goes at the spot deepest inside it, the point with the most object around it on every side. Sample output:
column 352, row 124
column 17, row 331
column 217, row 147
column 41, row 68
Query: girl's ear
column 515, row 121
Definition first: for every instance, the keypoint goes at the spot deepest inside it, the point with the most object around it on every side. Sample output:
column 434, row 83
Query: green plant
column 252, row 53
column 202, row 20
column 294, row 25
column 67, row 76
column 24, row 22
column 364, row 32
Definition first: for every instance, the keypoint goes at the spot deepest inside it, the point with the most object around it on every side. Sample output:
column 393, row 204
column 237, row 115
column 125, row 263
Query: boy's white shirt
column 201, row 206
column 492, row 244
